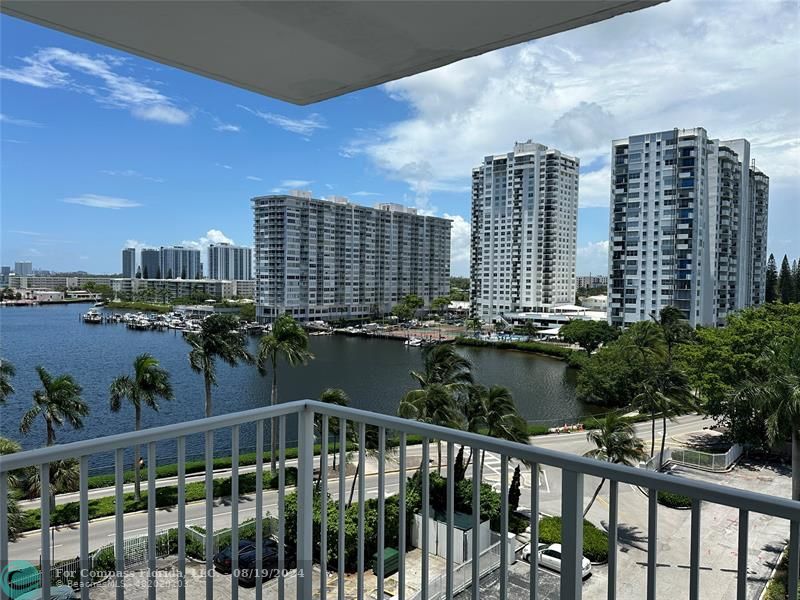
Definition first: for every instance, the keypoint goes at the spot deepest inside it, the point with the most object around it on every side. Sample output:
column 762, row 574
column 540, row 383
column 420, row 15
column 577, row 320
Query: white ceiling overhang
column 307, row 51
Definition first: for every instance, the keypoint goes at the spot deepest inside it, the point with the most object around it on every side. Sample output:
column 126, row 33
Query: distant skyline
column 102, row 150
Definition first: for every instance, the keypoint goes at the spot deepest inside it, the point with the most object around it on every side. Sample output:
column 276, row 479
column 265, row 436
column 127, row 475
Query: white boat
column 93, row 316
column 413, row 342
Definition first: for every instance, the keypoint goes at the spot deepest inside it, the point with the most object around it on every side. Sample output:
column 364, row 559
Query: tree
column 503, row 421
column 796, row 279
column 149, row 383
column 778, row 397
column 287, row 340
column 444, row 381
column 15, row 521
column 786, row 282
column 408, row 306
column 675, row 329
column 589, row 335
column 514, row 491
column 438, row 305
column 7, row 371
column 218, row 338
column 339, row 398
column 614, row 441
column 771, row 294
column 666, row 393
column 435, row 404
column 57, row 402
column 472, row 325
column 722, row 360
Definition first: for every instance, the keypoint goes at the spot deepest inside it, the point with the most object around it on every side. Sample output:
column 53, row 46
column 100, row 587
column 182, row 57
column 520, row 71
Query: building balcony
column 441, row 565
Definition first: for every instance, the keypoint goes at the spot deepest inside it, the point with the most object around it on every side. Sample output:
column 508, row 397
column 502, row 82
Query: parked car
column 222, row 559
column 550, row 557
column 269, row 563
column 526, row 551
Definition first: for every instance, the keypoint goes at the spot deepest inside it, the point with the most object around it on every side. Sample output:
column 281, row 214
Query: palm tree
column 13, row 513
column 675, row 329
column 446, row 378
column 616, row 442
column 434, row 404
column 502, row 419
column 149, row 383
column 776, row 393
column 339, row 398
column 7, row 371
column 219, row 337
column 289, row 341
column 58, row 402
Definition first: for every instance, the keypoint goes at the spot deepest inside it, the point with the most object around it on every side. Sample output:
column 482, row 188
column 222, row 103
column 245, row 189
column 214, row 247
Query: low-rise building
column 55, row 282
column 169, row 289
column 598, row 302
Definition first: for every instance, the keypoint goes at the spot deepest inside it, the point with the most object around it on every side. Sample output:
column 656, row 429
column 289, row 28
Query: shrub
column 673, row 500
column 536, row 347
column 595, row 541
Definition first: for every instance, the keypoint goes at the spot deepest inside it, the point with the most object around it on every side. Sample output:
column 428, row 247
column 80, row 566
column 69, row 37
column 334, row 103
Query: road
column 65, row 539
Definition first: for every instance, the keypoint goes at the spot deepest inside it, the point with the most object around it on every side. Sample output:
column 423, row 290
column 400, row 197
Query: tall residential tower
column 229, row 262
column 129, row 262
column 524, row 231
column 687, row 228
column 330, row 259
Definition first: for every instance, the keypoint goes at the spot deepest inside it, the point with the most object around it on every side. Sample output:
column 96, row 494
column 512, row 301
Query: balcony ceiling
column 304, row 52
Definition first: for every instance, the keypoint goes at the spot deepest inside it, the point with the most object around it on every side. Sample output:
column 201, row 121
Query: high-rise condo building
column 178, row 262
column 150, row 263
column 23, row 268
column 129, row 262
column 687, row 229
column 330, row 259
column 524, row 231
column 229, row 262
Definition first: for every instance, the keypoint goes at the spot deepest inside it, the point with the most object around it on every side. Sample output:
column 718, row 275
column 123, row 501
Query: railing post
column 305, row 503
column 571, row 534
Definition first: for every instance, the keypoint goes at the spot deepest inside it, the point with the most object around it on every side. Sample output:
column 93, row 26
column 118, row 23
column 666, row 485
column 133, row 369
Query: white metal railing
column 301, row 415
column 711, row 461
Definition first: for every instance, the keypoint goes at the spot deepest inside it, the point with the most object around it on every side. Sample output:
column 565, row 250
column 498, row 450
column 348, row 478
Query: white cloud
column 223, row 166
column 19, row 122
column 97, row 201
column 131, row 173
column 25, row 232
column 226, row 127
column 305, row 127
column 459, row 244
column 212, row 236
column 97, row 77
column 684, row 63
column 291, row 184
column 136, row 244
column 593, row 258
column 253, row 178
column 366, row 194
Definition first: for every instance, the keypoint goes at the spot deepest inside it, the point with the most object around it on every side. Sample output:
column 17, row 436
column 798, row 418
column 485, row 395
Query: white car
column 550, row 557
column 526, row 551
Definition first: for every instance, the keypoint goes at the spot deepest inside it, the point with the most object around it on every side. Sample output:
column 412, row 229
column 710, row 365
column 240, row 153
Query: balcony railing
column 302, row 414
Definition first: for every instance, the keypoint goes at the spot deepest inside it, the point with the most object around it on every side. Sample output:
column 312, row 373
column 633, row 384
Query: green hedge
column 673, row 500
column 199, row 466
column 776, row 588
column 166, row 497
column 536, row 347
column 595, row 541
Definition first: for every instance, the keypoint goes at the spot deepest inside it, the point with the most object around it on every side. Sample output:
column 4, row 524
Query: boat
column 93, row 316
column 416, row 342
column 99, row 304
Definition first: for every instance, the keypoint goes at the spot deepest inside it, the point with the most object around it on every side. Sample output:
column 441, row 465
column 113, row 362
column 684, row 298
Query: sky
column 103, row 150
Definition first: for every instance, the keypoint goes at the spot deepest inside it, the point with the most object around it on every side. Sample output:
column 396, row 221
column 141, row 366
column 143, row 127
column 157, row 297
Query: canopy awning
column 307, row 51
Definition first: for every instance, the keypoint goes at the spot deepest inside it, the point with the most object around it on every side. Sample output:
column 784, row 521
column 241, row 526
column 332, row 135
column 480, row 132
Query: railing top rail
column 760, row 503
column 11, row 462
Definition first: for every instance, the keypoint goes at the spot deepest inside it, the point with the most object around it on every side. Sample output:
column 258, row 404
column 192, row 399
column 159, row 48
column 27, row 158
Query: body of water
column 373, row 372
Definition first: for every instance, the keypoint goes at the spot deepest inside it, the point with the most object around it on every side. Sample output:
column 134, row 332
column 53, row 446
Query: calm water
column 374, row 372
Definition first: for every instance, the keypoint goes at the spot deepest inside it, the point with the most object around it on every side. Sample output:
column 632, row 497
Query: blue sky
column 101, row 149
